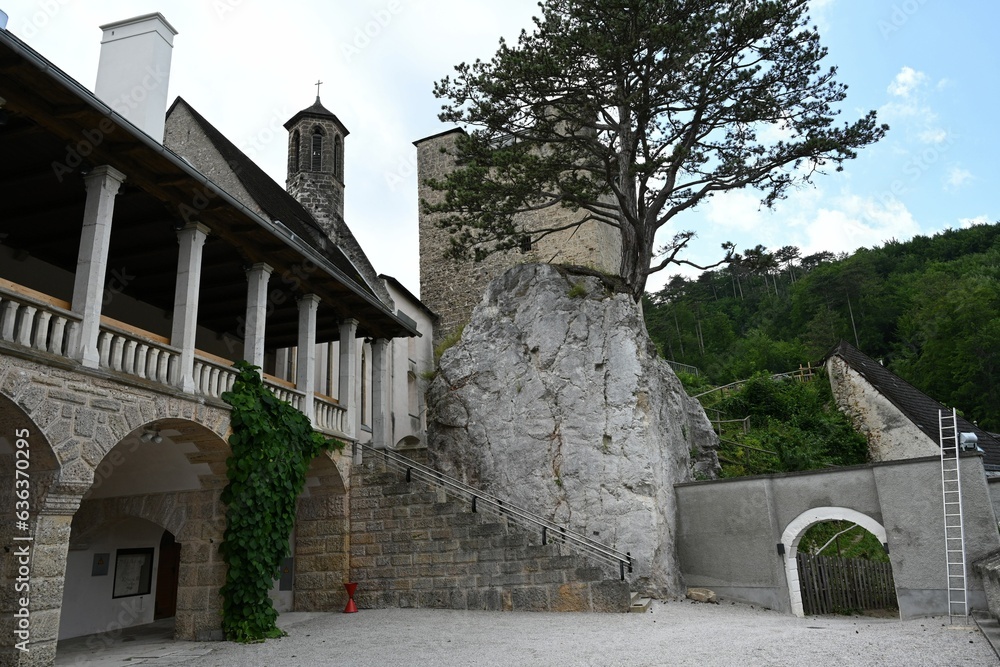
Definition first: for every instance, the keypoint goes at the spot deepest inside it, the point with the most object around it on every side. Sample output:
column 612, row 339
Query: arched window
column 294, row 155
column 338, row 157
column 316, row 154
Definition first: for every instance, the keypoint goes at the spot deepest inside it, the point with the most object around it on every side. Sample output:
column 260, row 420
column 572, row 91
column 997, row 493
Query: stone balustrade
column 37, row 321
column 32, row 320
column 136, row 354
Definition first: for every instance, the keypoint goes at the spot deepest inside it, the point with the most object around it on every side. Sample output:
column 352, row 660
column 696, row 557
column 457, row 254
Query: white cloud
column 906, row 82
column 932, row 135
column 972, row 222
column 857, row 222
column 908, row 107
column 957, row 177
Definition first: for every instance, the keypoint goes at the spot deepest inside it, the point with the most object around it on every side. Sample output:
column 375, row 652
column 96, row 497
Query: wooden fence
column 838, row 585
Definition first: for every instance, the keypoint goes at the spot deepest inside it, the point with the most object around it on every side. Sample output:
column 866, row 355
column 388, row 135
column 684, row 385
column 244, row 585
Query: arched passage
column 168, row 473
column 796, row 529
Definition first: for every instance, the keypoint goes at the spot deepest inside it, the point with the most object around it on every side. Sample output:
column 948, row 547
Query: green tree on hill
column 635, row 112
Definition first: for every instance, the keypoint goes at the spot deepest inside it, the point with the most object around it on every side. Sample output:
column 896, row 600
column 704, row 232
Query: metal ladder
column 954, row 533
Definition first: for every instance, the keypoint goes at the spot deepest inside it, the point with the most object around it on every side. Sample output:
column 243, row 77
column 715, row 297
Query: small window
column 525, row 243
column 294, row 164
column 338, row 157
column 316, row 157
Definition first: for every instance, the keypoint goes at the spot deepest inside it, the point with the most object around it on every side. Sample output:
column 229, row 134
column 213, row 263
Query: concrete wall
column 891, row 434
column 729, row 529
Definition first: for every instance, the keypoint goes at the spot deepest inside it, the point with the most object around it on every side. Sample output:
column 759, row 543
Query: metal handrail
column 550, row 531
column 803, row 373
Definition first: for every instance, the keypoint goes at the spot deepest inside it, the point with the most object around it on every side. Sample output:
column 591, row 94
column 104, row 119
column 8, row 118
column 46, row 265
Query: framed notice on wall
column 133, row 572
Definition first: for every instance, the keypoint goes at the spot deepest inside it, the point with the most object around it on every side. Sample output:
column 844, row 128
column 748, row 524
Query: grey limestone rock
column 554, row 400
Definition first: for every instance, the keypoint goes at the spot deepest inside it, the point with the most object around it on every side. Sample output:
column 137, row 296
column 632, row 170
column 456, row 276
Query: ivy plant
column 272, row 445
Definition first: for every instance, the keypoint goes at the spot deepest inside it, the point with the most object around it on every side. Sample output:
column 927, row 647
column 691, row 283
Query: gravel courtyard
column 672, row 633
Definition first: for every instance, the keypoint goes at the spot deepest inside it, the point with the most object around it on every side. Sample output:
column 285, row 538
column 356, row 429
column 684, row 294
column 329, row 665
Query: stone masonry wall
column 412, row 548
column 452, row 288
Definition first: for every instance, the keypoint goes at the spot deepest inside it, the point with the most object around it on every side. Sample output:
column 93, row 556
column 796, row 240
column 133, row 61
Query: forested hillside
column 928, row 308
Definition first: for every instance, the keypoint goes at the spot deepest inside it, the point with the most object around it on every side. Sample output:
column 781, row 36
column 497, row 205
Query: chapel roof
column 317, row 110
column 917, row 406
column 273, row 199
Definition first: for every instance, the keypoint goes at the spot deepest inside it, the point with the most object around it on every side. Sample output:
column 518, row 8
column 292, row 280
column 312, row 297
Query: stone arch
column 38, row 540
column 316, row 145
column 338, row 157
column 408, row 442
column 321, row 539
column 191, row 457
column 295, row 153
column 796, row 529
column 84, row 417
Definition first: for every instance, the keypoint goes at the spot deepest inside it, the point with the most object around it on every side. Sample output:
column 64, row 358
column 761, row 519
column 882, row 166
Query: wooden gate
column 838, row 585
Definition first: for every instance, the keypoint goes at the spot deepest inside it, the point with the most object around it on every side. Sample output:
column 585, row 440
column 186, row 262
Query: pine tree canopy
column 633, row 113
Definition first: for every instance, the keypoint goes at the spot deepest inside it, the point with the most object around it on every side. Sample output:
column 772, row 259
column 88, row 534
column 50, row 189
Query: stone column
column 305, row 380
column 348, row 375
column 191, row 238
column 92, row 261
column 380, row 394
column 48, row 551
column 253, row 344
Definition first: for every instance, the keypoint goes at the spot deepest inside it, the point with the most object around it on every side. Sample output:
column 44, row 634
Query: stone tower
column 452, row 288
column 316, row 180
column 316, row 162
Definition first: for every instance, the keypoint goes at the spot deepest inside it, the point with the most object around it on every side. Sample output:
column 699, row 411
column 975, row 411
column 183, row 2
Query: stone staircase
column 413, row 546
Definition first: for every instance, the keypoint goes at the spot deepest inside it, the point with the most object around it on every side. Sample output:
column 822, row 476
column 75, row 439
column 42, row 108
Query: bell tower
column 316, row 164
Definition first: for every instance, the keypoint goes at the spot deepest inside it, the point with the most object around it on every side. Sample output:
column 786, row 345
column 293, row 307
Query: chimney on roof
column 134, row 70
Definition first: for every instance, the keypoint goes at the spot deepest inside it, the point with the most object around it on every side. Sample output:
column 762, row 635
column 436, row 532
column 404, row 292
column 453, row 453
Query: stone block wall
column 410, row 547
column 452, row 288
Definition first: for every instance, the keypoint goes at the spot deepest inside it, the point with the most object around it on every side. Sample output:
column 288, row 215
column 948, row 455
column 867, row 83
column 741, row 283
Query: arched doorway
column 155, row 496
column 793, row 533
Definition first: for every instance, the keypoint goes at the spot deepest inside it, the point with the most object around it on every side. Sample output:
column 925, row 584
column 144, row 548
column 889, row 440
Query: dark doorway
column 166, row 577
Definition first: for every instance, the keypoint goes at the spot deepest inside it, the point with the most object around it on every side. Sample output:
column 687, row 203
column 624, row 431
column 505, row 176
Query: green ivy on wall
column 272, row 445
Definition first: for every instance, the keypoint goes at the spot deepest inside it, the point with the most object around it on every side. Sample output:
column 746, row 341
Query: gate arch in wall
column 797, row 528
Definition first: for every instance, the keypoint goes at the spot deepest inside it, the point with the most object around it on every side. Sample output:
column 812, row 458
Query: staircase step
column 638, row 604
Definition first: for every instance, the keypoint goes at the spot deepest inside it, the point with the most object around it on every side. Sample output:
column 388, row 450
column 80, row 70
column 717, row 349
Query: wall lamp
column 151, row 435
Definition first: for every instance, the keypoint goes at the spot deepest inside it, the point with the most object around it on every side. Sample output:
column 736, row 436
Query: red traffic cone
column 351, row 607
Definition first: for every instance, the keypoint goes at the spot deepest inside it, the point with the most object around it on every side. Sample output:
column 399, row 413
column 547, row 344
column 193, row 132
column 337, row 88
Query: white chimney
column 134, row 70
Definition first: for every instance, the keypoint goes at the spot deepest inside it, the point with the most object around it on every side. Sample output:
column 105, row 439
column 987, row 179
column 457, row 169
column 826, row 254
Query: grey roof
column 317, row 110
column 274, row 199
column 918, row 407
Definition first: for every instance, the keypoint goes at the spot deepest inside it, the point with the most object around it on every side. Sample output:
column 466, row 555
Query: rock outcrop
column 554, row 399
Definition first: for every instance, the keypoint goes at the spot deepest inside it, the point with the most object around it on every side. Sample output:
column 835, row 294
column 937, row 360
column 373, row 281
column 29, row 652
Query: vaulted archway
column 797, row 527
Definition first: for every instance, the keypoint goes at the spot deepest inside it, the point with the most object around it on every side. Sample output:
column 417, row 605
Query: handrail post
column 629, row 554
column 474, row 499
column 621, row 569
column 545, row 535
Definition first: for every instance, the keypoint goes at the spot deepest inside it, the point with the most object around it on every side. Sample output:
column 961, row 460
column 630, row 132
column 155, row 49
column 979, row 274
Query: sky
column 929, row 68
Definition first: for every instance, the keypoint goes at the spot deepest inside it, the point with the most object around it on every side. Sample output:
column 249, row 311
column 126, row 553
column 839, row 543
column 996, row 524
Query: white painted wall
column 410, row 359
column 134, row 70
column 891, row 435
column 88, row 606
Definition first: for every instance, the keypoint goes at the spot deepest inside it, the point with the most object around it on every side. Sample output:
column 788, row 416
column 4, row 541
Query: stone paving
column 672, row 633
